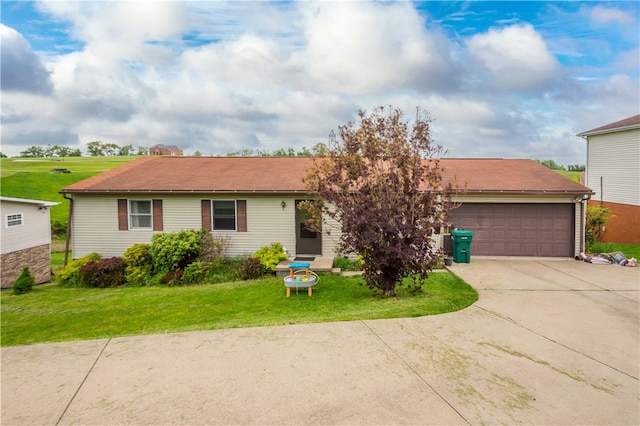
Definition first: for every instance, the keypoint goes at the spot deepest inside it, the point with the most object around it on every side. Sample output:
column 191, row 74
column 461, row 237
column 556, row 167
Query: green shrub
column 138, row 264
column 24, row 283
column 137, row 276
column 58, row 228
column 194, row 273
column 138, row 255
column 103, row 273
column 595, row 219
column 175, row 250
column 270, row 256
column 251, row 269
column 347, row 264
column 216, row 271
column 224, row 270
column 69, row 275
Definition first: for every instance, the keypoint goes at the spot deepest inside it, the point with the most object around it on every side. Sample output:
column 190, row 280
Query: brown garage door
column 518, row 229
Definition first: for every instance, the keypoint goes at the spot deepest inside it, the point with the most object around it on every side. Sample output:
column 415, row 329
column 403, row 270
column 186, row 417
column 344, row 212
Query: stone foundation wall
column 38, row 259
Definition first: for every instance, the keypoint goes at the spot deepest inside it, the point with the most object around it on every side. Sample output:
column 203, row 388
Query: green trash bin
column 461, row 245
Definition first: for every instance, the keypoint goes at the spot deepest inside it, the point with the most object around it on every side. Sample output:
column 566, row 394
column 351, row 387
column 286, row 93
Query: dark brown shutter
column 123, row 215
column 242, row 215
column 157, row 215
column 206, row 214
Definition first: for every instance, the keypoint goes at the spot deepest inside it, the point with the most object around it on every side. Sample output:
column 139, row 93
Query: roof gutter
column 604, row 131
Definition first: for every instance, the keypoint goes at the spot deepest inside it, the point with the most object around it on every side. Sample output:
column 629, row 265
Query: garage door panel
column 515, row 222
column 514, row 235
column 518, row 229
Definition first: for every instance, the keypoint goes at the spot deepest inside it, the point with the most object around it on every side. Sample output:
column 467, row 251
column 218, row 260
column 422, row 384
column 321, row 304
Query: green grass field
column 30, row 178
column 51, row 313
column 574, row 176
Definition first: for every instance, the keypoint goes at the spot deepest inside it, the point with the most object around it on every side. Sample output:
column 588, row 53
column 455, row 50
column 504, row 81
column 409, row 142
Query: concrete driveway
column 548, row 342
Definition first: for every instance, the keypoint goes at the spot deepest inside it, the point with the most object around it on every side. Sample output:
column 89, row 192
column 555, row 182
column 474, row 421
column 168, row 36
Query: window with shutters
column 224, row 215
column 140, row 214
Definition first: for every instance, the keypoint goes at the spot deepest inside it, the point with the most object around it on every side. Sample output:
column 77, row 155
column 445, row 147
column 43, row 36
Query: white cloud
column 223, row 76
column 22, row 69
column 516, row 57
column 359, row 48
column 610, row 15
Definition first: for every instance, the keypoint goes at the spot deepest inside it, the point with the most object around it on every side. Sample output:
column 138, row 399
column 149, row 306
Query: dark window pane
column 224, row 223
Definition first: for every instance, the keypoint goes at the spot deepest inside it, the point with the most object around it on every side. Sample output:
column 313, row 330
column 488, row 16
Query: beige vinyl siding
column 95, row 227
column 267, row 222
column 34, row 231
column 616, row 158
column 95, row 223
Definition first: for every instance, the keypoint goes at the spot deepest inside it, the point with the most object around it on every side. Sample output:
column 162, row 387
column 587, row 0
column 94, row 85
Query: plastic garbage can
column 461, row 245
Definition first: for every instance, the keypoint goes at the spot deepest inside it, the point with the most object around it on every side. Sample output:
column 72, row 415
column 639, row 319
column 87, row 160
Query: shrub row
column 176, row 258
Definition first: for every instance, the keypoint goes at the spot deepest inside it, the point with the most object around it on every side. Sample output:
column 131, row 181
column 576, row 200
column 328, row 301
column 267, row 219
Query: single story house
column 613, row 171
column 25, row 239
column 514, row 207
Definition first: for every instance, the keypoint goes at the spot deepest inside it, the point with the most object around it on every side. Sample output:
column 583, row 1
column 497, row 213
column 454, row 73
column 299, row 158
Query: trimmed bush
column 103, row 273
column 175, row 250
column 137, row 259
column 138, row 255
column 24, row 283
column 69, row 275
column 270, row 256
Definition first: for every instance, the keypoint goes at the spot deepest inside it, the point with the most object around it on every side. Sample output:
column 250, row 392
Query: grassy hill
column 31, row 178
column 574, row 176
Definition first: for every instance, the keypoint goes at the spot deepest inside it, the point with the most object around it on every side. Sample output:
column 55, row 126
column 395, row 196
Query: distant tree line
column 318, row 149
column 550, row 164
column 94, row 149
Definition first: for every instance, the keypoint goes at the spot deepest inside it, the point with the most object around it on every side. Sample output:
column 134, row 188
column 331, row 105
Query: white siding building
column 613, row 173
column 25, row 239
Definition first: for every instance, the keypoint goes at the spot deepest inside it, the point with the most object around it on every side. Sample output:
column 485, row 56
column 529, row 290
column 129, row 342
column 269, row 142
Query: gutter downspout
column 68, row 238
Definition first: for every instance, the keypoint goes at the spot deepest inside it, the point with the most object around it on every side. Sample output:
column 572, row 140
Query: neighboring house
column 164, row 150
column 613, row 172
column 25, row 239
column 514, row 207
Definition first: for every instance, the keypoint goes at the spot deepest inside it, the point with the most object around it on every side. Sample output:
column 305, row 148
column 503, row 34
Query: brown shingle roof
column 631, row 122
column 285, row 174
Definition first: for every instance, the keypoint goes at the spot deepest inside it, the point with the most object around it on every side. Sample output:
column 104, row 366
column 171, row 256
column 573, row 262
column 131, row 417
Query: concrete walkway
column 548, row 342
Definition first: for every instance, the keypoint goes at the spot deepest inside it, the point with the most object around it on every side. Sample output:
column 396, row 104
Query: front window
column 14, row 220
column 140, row 216
column 224, row 215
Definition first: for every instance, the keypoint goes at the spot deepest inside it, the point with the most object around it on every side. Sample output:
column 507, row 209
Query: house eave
column 180, row 191
column 605, row 131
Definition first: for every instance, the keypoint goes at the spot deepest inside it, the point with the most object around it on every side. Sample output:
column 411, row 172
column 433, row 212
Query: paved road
column 548, row 342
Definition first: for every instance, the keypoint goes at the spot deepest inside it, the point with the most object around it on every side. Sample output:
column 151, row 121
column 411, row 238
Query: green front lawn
column 51, row 313
column 629, row 250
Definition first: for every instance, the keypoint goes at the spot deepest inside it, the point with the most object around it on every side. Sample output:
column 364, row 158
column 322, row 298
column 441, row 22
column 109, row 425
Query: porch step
column 319, row 264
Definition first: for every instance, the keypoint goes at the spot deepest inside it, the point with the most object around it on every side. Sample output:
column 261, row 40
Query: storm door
column 307, row 241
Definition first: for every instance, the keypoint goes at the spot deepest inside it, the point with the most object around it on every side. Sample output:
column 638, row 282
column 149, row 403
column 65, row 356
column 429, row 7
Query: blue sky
column 500, row 79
